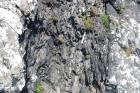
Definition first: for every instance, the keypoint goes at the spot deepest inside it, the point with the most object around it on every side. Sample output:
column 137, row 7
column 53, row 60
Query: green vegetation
column 39, row 88
column 88, row 23
column 128, row 51
column 105, row 21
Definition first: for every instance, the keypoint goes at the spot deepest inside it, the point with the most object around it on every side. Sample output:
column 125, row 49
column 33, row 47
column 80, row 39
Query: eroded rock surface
column 12, row 72
column 124, row 54
column 69, row 46
column 11, row 63
column 62, row 51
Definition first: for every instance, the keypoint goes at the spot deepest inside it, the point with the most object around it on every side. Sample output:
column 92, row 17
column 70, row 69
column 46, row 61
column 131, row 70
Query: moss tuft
column 94, row 12
column 39, row 88
column 88, row 23
column 105, row 21
column 128, row 51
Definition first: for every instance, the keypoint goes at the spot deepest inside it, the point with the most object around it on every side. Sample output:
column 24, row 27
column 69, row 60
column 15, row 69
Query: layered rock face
column 69, row 46
column 64, row 50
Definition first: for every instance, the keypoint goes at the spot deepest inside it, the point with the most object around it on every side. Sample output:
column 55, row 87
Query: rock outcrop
column 124, row 55
column 11, row 63
column 12, row 72
column 69, row 46
column 66, row 48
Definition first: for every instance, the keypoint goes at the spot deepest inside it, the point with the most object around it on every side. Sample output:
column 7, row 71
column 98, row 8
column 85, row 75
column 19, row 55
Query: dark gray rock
column 138, row 1
column 69, row 66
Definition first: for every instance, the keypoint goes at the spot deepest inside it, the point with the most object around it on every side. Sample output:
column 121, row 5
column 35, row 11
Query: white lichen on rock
column 11, row 64
column 11, row 60
column 125, row 67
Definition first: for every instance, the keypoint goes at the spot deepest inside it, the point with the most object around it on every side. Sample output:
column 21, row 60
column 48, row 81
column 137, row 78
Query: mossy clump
column 88, row 22
column 54, row 19
column 60, row 39
column 39, row 88
column 128, row 51
column 106, row 21
column 94, row 12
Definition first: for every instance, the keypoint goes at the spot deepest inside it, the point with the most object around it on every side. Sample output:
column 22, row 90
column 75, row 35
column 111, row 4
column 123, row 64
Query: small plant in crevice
column 54, row 19
column 85, row 53
column 39, row 88
column 88, row 22
column 94, row 12
column 122, row 8
column 128, row 51
column 60, row 39
column 105, row 21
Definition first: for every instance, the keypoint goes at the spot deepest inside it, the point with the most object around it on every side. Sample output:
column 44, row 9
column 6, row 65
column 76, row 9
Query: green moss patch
column 39, row 88
column 106, row 21
column 88, row 22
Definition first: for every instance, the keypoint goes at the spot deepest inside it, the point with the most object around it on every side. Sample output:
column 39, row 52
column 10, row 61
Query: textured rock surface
column 124, row 54
column 63, row 46
column 11, row 63
column 11, row 53
column 63, row 54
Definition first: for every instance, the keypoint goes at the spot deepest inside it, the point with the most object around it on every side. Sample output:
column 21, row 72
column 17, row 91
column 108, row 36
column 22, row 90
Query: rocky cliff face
column 69, row 46
column 124, row 56
column 63, row 48
column 12, row 72
column 11, row 63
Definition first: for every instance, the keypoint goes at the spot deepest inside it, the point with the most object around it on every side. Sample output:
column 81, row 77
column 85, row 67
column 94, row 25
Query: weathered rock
column 61, row 46
column 76, row 64
column 12, row 72
column 124, row 49
column 11, row 63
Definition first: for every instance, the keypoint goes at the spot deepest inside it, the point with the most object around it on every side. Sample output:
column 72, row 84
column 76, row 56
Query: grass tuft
column 39, row 88
column 88, row 22
column 106, row 21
